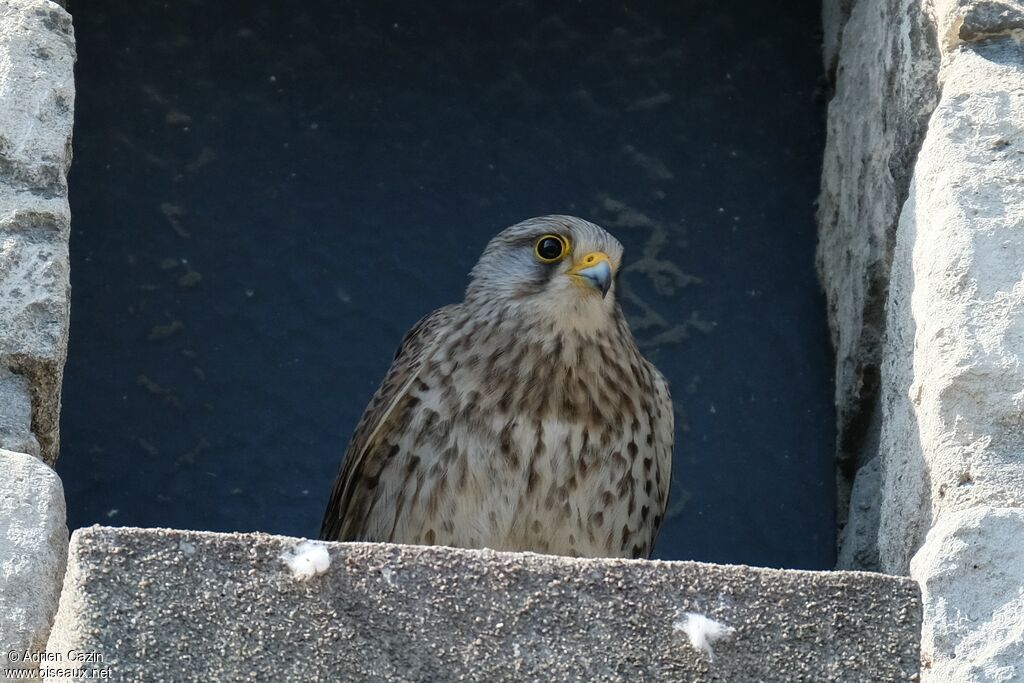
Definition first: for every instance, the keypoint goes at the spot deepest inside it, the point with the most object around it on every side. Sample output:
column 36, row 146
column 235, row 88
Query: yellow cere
column 592, row 259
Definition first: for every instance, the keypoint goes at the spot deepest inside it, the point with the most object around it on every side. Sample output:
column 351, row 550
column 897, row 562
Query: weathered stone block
column 174, row 605
column 834, row 15
column 859, row 544
column 971, row 571
column 951, row 406
column 37, row 55
column 973, row 20
column 16, row 414
column 953, row 397
column 885, row 90
column 33, row 552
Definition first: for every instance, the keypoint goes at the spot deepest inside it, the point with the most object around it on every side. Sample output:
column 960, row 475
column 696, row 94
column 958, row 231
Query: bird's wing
column 416, row 347
column 664, row 437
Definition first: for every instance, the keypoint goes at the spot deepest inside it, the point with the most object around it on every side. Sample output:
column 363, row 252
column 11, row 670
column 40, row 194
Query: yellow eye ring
column 551, row 248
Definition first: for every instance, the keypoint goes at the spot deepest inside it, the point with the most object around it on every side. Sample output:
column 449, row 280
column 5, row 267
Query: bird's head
column 559, row 269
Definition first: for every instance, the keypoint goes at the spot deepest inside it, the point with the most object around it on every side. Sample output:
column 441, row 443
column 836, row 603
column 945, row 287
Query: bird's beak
column 593, row 270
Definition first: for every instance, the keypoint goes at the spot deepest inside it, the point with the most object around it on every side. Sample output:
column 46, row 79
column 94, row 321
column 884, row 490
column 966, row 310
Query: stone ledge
column 185, row 605
column 33, row 551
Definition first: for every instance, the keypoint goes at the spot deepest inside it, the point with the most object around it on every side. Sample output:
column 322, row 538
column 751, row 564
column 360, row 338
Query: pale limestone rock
column 971, row 572
column 951, row 408
column 37, row 55
column 966, row 21
column 16, row 414
column 885, row 90
column 953, row 393
column 33, row 553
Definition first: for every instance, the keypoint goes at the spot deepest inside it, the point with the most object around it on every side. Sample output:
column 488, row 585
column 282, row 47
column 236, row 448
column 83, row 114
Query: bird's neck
column 509, row 336
column 509, row 364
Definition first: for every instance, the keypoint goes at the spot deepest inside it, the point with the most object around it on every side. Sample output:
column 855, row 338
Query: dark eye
column 551, row 248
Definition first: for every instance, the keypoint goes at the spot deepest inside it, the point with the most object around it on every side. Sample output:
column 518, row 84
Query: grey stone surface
column 884, row 92
column 975, row 20
column 971, row 571
column 173, row 605
column 33, row 552
column 858, row 548
column 834, row 15
column 952, row 442
column 37, row 55
column 953, row 428
column 950, row 408
column 16, row 414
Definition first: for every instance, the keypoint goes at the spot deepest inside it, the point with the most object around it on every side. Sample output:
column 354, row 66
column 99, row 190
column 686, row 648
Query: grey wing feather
column 416, row 346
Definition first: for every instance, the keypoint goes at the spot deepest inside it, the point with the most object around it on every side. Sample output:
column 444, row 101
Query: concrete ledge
column 182, row 605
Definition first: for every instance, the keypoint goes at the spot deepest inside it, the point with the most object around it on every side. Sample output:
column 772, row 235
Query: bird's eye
column 551, row 248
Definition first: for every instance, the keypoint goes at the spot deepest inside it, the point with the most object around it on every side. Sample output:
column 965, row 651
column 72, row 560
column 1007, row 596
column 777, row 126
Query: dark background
column 266, row 196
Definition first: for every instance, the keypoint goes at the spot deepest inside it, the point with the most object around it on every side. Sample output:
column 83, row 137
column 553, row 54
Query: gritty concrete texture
column 33, row 551
column 37, row 55
column 173, row 605
column 884, row 92
column 971, row 571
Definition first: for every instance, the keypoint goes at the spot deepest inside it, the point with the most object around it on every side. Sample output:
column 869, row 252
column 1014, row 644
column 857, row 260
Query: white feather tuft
column 703, row 632
column 306, row 560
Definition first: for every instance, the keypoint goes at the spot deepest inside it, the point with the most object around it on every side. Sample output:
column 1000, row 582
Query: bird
column 524, row 418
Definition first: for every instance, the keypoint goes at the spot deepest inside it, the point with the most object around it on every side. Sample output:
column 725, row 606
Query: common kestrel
column 524, row 418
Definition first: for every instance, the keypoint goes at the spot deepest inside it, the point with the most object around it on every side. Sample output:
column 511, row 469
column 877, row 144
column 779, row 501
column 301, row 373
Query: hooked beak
column 593, row 270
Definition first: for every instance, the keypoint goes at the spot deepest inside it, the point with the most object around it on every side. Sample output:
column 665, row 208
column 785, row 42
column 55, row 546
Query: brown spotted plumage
column 524, row 418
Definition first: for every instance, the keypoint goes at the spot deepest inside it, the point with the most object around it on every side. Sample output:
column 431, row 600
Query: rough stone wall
column 923, row 206
column 954, row 391
column 37, row 54
column 33, row 553
column 884, row 92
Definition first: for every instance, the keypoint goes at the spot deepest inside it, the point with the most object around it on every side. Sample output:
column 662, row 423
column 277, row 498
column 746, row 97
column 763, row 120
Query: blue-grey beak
column 598, row 276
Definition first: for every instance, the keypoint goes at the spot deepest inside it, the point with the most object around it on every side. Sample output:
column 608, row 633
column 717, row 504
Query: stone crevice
column 886, row 73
